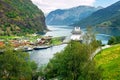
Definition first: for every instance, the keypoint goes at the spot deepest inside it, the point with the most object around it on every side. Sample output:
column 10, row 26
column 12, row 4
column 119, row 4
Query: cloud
column 49, row 5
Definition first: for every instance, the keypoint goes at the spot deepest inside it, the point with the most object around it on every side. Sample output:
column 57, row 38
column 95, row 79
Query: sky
column 49, row 5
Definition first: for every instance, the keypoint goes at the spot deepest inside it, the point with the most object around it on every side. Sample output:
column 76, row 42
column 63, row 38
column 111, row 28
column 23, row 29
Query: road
column 98, row 50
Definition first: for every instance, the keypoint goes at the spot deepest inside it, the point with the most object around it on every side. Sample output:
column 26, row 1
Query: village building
column 2, row 44
column 44, row 40
column 77, row 34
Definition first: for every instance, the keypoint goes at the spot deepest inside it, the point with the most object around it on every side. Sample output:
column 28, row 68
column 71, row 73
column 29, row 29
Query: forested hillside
column 20, row 17
column 109, row 16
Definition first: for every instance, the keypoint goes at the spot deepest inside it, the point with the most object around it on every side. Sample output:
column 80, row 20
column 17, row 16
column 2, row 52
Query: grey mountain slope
column 69, row 16
column 109, row 16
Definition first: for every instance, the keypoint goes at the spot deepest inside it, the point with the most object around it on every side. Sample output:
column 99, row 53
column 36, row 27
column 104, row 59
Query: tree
column 72, row 64
column 114, row 40
column 16, row 65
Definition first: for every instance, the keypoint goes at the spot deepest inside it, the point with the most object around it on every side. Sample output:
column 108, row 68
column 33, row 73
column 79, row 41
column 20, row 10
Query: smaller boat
column 41, row 47
column 28, row 49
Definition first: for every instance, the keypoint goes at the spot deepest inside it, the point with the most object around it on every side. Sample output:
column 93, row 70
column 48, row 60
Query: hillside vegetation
column 109, row 60
column 19, row 17
column 109, row 16
column 114, row 40
column 16, row 65
column 73, row 63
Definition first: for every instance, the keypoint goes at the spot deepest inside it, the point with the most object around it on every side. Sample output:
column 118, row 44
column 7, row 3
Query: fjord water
column 42, row 57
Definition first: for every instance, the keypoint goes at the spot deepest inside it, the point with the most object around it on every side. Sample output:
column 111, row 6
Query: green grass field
column 109, row 61
column 56, row 40
column 8, row 37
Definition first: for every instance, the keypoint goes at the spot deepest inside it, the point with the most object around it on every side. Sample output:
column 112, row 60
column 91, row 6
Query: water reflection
column 109, row 30
column 42, row 57
column 58, row 31
column 103, row 37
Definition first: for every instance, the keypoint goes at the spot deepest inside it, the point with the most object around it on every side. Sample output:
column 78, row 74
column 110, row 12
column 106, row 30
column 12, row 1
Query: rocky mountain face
column 69, row 16
column 18, row 17
column 106, row 17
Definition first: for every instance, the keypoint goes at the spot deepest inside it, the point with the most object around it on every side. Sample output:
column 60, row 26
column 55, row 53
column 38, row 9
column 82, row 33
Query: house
column 2, row 44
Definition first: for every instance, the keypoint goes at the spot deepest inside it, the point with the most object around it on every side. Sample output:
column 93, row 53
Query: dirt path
column 98, row 50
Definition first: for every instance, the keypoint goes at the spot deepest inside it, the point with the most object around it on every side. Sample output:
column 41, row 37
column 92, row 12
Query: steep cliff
column 18, row 17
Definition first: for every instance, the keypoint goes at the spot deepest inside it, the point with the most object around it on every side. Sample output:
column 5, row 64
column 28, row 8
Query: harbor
column 42, row 48
column 42, row 56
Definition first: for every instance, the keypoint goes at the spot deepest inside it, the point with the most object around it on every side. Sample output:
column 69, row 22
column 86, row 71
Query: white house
column 77, row 34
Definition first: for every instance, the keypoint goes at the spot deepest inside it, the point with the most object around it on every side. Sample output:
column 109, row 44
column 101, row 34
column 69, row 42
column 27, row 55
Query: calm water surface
column 42, row 57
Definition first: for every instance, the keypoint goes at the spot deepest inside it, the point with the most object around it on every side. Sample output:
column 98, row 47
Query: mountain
column 18, row 17
column 69, row 16
column 109, row 16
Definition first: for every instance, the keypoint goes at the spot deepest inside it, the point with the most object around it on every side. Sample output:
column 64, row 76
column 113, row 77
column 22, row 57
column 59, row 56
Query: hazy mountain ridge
column 109, row 16
column 69, row 16
column 19, row 17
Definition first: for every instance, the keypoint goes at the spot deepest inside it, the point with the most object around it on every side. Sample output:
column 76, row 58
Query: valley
column 51, row 40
